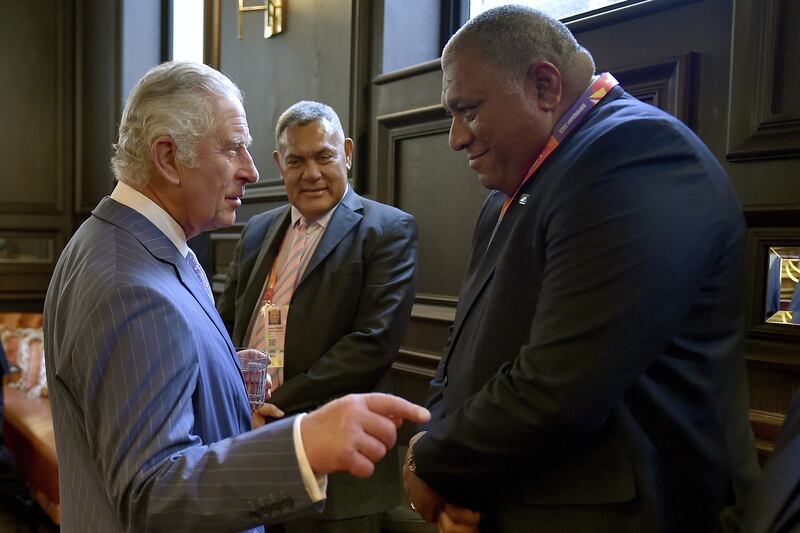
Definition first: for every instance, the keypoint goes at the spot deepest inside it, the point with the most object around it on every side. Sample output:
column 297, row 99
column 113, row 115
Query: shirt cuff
column 316, row 485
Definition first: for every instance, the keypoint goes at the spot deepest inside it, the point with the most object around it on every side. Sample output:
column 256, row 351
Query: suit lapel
column 162, row 249
column 482, row 263
column 267, row 253
column 347, row 215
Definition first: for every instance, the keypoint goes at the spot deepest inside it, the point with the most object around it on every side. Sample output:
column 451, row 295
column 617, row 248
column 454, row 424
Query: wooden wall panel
column 36, row 143
column 765, row 102
column 668, row 85
column 763, row 145
column 36, row 114
column 98, row 99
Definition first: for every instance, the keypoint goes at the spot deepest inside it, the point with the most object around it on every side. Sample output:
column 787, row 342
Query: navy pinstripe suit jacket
column 150, row 412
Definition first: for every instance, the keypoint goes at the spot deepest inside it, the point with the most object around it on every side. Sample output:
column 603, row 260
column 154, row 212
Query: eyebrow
column 325, row 150
column 451, row 103
column 241, row 138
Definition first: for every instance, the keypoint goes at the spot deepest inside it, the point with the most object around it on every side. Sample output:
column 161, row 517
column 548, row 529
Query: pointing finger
column 396, row 407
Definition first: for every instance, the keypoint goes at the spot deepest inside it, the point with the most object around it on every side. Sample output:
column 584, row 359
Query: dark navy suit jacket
column 594, row 377
column 346, row 319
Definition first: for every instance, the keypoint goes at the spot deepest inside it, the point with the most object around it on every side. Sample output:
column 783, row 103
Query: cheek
column 291, row 183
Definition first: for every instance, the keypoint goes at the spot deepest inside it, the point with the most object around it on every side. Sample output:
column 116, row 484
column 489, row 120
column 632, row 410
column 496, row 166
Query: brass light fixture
column 273, row 16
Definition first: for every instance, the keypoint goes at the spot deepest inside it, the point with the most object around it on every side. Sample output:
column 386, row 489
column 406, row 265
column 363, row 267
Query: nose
column 460, row 135
column 248, row 172
column 312, row 171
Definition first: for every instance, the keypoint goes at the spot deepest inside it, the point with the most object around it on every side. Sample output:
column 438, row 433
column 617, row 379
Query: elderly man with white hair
column 152, row 421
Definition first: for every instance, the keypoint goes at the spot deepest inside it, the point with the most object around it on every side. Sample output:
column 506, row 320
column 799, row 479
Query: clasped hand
column 431, row 506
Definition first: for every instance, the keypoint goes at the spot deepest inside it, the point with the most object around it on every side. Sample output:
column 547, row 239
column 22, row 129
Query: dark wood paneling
column 360, row 57
column 667, row 84
column 36, row 145
column 701, row 28
column 766, row 427
column 98, row 93
column 762, row 144
column 772, row 385
column 35, row 106
column 222, row 244
column 421, row 175
column 765, row 103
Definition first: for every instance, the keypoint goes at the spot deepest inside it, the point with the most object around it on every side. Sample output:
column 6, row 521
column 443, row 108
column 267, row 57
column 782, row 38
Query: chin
column 488, row 181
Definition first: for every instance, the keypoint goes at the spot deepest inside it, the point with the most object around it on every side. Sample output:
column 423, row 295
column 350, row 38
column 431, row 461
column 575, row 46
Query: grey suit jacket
column 150, row 412
column 346, row 319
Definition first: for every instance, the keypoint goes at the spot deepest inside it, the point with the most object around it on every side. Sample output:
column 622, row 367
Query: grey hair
column 303, row 113
column 175, row 99
column 513, row 37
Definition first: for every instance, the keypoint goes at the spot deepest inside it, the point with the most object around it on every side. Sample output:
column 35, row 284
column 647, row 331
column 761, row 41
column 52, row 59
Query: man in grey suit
column 349, row 306
column 151, row 417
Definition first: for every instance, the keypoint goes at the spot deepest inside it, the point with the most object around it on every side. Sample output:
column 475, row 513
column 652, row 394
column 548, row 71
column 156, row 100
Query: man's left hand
column 266, row 413
column 454, row 519
column 423, row 498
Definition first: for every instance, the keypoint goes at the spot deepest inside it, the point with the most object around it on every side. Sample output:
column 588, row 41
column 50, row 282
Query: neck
column 162, row 200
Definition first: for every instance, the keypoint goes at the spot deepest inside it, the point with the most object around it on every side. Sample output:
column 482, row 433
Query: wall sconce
column 273, row 16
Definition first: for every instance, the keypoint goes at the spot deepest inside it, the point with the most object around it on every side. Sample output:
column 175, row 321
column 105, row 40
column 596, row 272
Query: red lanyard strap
column 567, row 124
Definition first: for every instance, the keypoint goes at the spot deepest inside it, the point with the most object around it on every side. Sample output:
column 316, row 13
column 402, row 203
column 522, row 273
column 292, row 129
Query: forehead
column 229, row 116
column 468, row 76
column 315, row 135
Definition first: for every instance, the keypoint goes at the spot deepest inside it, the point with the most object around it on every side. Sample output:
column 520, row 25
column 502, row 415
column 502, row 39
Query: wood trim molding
column 759, row 240
column 392, row 129
column 766, row 428
column 757, row 129
column 618, row 13
column 360, row 58
column 668, row 84
column 269, row 190
column 211, row 33
column 408, row 72
column 416, row 363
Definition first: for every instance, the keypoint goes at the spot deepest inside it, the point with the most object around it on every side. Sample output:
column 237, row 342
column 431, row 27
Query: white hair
column 175, row 99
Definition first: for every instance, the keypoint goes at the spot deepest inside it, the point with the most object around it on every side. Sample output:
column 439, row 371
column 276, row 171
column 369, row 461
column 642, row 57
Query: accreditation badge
column 274, row 317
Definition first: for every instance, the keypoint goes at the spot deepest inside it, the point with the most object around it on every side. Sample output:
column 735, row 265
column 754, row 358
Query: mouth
column 236, row 200
column 314, row 191
column 475, row 159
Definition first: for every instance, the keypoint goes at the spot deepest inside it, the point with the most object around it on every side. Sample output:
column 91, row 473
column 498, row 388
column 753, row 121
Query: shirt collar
column 128, row 196
column 324, row 219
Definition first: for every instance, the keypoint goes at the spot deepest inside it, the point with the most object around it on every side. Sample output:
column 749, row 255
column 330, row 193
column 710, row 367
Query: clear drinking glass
column 254, row 365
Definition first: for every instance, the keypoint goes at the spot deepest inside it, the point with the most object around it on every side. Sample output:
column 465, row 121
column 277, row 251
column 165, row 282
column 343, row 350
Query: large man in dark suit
column 150, row 412
column 594, row 377
column 352, row 298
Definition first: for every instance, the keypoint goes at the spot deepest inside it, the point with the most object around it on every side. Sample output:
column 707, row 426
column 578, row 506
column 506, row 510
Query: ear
column 545, row 79
column 163, row 153
column 348, row 152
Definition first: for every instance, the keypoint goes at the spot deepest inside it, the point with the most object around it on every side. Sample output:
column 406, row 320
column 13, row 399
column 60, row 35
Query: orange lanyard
column 568, row 123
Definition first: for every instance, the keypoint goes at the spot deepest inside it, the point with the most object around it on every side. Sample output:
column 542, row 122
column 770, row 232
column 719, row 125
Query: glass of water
column 254, row 365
